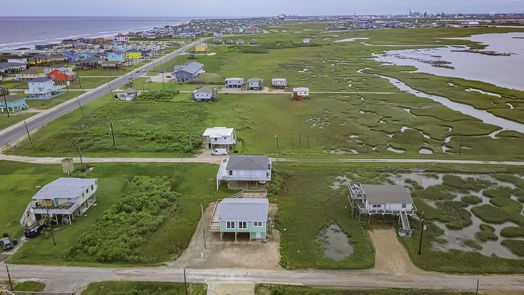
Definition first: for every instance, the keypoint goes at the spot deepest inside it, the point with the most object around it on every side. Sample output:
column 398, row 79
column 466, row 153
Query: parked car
column 6, row 244
column 219, row 152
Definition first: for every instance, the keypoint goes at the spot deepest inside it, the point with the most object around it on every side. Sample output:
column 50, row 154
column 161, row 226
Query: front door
column 258, row 236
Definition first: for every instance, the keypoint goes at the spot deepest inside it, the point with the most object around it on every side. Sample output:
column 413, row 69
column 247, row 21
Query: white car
column 219, row 152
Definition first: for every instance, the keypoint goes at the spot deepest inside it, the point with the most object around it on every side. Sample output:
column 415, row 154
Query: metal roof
column 255, row 80
column 381, row 194
column 64, row 187
column 40, row 80
column 206, row 90
column 218, row 131
column 190, row 67
column 248, row 163
column 243, row 209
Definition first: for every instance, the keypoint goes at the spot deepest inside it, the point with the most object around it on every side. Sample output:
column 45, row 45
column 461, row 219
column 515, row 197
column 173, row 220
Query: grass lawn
column 141, row 84
column 14, row 84
column 296, row 290
column 44, row 104
column 110, row 72
column 194, row 181
column 143, row 288
column 13, row 118
column 90, row 82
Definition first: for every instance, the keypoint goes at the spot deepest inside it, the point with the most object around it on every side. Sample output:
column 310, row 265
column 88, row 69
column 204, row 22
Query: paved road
column 216, row 160
column 66, row 279
column 18, row 130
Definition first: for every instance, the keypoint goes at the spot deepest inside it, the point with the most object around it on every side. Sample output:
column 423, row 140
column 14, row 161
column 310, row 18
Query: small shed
column 127, row 95
column 300, row 93
column 68, row 166
column 279, row 83
column 255, row 84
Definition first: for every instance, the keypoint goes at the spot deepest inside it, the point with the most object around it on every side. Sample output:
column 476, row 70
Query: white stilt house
column 370, row 199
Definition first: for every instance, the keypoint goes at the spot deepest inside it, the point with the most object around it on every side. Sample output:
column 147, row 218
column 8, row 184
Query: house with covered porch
column 12, row 103
column 255, row 84
column 42, row 88
column 245, row 172
column 63, row 200
column 219, row 137
column 241, row 216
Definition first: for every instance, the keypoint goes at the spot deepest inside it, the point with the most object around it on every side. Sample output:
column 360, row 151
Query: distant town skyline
column 238, row 8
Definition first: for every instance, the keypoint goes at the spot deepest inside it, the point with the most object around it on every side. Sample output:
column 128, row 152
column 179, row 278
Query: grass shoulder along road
column 143, row 288
column 296, row 290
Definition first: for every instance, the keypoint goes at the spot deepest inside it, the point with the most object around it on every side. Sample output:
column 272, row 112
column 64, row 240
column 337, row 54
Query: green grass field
column 143, row 288
column 194, row 181
column 295, row 290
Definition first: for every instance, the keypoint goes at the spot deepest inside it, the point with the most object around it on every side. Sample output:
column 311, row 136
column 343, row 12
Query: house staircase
column 406, row 228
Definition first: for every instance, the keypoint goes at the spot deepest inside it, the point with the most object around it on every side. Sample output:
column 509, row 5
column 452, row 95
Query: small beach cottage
column 62, row 199
column 255, row 84
column 280, row 83
column 243, row 216
column 14, row 103
column 219, row 137
column 42, row 88
column 31, row 73
column 234, row 82
column 62, row 77
column 300, row 93
column 370, row 199
column 201, row 48
column 205, row 94
column 128, row 95
column 188, row 71
column 245, row 172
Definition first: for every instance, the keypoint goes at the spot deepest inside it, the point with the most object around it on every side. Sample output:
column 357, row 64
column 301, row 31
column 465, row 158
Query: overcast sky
column 248, row 7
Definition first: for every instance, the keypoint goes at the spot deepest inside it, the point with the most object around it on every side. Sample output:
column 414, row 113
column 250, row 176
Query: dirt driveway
column 227, row 253
column 390, row 255
column 217, row 288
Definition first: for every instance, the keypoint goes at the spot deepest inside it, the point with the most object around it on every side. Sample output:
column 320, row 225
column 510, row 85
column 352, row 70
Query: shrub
column 487, row 232
column 492, row 214
column 513, row 232
column 121, row 228
column 516, row 246
column 158, row 95
column 471, row 199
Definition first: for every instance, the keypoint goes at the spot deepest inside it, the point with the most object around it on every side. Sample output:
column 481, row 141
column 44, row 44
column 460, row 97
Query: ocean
column 16, row 32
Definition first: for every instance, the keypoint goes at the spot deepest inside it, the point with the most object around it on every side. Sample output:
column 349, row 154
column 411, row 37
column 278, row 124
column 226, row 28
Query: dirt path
column 390, row 255
column 216, row 288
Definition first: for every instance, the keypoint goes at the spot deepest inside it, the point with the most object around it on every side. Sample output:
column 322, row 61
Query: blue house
column 116, row 56
column 71, row 55
column 85, row 55
column 242, row 216
column 14, row 103
column 205, row 94
column 188, row 71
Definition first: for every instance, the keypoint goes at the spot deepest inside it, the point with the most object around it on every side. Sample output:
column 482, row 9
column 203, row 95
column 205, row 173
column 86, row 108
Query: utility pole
column 307, row 139
column 460, row 146
column 79, row 83
column 5, row 101
column 421, row 233
column 112, row 133
column 163, row 82
column 9, row 277
column 185, row 281
column 203, row 225
column 80, row 106
column 27, row 130
column 478, row 282
column 276, row 142
column 111, row 90
column 50, row 225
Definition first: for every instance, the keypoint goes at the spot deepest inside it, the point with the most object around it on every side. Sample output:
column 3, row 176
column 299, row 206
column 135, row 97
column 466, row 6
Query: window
column 242, row 224
column 92, row 187
column 377, row 206
column 404, row 205
column 230, row 224
column 230, row 172
column 257, row 224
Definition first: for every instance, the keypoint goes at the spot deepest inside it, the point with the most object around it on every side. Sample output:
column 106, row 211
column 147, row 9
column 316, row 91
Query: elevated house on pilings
column 370, row 199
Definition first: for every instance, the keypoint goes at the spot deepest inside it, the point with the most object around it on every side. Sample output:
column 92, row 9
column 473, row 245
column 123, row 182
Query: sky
column 219, row 8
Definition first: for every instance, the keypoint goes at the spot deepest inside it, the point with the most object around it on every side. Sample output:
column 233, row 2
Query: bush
column 435, row 192
column 252, row 49
column 516, row 246
column 465, row 185
column 276, row 184
column 513, row 232
column 487, row 232
column 492, row 214
column 119, row 230
column 471, row 199
column 158, row 95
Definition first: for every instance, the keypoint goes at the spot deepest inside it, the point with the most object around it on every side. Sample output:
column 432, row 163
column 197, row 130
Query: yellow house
column 201, row 48
column 132, row 54
column 30, row 74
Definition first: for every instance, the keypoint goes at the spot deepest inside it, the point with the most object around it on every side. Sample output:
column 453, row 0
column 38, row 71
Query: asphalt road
column 67, row 279
column 17, row 131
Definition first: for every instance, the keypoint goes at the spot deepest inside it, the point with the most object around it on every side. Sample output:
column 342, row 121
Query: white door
column 258, row 236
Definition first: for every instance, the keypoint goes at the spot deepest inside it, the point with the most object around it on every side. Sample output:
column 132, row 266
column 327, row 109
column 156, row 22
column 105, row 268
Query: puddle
column 425, row 151
column 353, row 136
column 395, row 150
column 339, row 182
column 483, row 92
column 465, row 109
column 361, row 71
column 510, row 106
column 403, row 128
column 445, row 148
column 350, row 40
column 335, row 243
column 494, row 133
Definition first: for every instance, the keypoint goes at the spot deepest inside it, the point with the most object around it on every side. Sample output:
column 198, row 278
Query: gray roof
column 64, row 187
column 206, row 90
column 255, row 80
column 381, row 194
column 248, row 163
column 40, row 79
column 244, row 209
column 190, row 67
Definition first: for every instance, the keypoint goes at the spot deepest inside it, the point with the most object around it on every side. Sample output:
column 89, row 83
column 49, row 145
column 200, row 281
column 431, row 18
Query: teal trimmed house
column 14, row 103
column 242, row 216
